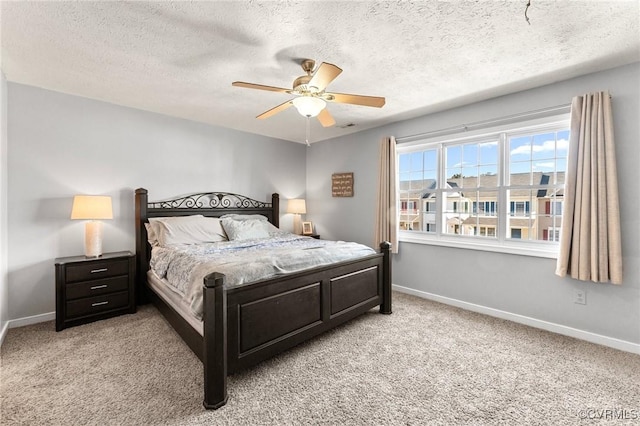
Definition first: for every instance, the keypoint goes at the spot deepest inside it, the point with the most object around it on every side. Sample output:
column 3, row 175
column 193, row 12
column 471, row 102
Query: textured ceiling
column 179, row 58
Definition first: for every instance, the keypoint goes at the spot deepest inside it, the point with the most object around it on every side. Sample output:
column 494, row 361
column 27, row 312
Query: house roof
column 421, row 188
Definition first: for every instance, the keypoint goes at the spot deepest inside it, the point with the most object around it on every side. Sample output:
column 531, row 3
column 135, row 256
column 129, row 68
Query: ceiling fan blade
column 346, row 98
column 259, row 87
column 275, row 110
column 325, row 118
column 324, row 75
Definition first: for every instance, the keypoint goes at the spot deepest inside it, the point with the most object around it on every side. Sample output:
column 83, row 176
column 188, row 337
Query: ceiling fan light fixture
column 309, row 106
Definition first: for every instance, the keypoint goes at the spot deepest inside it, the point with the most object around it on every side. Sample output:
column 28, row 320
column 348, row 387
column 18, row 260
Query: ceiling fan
column 311, row 98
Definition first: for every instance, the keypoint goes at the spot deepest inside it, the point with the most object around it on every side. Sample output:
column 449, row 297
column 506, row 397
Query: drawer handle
column 95, row 271
column 99, row 303
column 95, row 287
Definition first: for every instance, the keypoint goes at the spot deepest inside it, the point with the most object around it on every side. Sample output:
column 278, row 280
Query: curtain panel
column 387, row 206
column 590, row 241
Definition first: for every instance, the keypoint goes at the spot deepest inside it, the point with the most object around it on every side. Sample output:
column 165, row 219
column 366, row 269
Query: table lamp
column 93, row 208
column 297, row 206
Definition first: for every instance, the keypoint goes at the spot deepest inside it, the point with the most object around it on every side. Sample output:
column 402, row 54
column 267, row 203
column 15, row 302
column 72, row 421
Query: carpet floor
column 428, row 363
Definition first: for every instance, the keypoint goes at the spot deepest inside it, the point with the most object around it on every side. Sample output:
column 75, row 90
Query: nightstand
column 90, row 289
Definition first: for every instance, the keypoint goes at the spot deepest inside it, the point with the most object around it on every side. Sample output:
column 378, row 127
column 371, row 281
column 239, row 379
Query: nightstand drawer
column 97, row 270
column 97, row 287
column 91, row 305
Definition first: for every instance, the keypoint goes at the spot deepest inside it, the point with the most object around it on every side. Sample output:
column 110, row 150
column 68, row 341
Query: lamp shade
column 297, row 206
column 91, row 207
column 309, row 106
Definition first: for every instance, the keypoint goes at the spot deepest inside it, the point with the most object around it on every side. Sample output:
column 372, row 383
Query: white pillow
column 245, row 229
column 187, row 230
column 244, row 217
column 151, row 235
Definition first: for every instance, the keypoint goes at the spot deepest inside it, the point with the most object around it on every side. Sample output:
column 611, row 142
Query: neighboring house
column 533, row 214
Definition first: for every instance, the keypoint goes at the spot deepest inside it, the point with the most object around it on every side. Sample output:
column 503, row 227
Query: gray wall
column 4, row 286
column 61, row 145
column 515, row 284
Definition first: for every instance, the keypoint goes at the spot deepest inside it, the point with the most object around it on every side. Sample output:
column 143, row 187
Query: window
column 485, row 231
column 491, row 188
column 485, row 208
column 519, row 208
column 552, row 234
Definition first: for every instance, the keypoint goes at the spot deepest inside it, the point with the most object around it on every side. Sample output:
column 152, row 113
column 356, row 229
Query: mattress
column 164, row 290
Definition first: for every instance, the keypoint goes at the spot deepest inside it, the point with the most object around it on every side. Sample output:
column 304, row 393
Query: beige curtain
column 387, row 211
column 590, row 246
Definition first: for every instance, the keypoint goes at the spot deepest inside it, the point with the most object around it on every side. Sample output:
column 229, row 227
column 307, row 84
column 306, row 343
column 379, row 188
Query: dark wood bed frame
column 251, row 323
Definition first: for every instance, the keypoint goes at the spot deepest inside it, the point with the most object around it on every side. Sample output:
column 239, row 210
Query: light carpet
column 428, row 363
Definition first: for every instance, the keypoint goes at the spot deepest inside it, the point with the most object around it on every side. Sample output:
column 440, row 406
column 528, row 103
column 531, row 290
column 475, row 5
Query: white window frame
column 501, row 243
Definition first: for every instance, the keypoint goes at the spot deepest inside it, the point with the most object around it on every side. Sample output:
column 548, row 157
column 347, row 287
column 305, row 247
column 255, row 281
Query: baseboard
column 599, row 339
column 35, row 319
column 3, row 332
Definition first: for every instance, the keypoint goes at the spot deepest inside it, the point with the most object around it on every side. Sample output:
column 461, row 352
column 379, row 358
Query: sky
column 544, row 152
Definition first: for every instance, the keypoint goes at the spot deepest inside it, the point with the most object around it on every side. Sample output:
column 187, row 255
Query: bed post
column 214, row 357
column 385, row 307
column 141, row 200
column 275, row 205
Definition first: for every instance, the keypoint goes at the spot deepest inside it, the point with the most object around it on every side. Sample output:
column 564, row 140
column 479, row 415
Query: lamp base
column 297, row 224
column 93, row 239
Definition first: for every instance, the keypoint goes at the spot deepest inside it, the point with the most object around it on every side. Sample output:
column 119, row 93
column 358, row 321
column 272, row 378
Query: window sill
column 519, row 248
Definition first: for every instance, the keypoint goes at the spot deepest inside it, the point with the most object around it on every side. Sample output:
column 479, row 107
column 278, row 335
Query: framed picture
column 307, row 228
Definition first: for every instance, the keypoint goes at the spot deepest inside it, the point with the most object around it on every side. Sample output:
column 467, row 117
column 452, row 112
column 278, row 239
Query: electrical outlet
column 580, row 297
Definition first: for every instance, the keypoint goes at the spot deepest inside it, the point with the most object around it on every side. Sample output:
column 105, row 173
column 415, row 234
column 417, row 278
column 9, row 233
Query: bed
column 242, row 325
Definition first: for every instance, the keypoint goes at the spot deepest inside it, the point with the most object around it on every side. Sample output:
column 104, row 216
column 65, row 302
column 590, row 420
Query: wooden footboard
column 249, row 324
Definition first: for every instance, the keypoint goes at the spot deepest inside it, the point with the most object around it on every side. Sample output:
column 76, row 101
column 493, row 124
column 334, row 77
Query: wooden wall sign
column 342, row 184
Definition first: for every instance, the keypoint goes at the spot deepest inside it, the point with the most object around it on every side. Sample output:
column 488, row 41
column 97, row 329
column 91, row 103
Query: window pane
column 430, row 159
column 544, row 165
column 535, row 214
column 482, row 219
column 488, row 176
column 548, row 153
column 416, row 161
column 561, row 168
column 520, row 149
column 417, row 174
column 469, row 177
column 489, row 153
column 430, row 175
column 428, row 223
column 562, row 143
column 454, row 156
column 544, row 146
column 520, row 174
column 457, row 208
column 470, row 154
column 549, row 218
column 416, row 182
column 409, row 211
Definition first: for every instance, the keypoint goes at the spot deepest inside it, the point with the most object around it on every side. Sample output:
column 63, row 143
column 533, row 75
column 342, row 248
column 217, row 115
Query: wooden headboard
column 210, row 204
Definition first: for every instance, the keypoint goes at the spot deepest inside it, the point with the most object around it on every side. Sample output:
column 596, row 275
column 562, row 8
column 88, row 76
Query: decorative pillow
column 245, row 229
column 187, row 230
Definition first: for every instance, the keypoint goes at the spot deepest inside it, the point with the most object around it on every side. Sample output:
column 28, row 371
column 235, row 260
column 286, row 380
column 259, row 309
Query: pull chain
column 308, row 131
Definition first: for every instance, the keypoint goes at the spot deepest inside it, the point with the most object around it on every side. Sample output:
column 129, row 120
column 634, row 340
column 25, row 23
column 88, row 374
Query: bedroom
column 53, row 155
